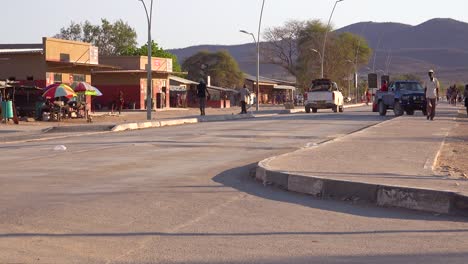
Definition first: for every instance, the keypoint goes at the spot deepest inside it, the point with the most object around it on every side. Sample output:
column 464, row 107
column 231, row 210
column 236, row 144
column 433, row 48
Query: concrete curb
column 302, row 110
column 428, row 200
column 434, row 201
column 177, row 122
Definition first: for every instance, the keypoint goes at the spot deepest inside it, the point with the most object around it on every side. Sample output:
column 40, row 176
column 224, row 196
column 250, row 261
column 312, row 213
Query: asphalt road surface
column 185, row 195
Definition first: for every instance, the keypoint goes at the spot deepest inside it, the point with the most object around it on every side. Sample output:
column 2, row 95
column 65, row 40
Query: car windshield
column 410, row 86
column 323, row 86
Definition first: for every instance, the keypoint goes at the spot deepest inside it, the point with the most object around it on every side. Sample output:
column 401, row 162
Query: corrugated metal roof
column 284, row 87
column 20, row 51
column 181, row 80
column 222, row 89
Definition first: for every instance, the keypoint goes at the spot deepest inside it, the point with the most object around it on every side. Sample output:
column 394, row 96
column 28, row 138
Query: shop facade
column 130, row 82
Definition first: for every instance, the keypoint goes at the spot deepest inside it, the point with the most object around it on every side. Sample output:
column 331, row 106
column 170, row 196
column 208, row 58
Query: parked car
column 324, row 94
column 402, row 96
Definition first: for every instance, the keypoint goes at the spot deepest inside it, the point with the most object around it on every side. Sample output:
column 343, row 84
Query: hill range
column 441, row 44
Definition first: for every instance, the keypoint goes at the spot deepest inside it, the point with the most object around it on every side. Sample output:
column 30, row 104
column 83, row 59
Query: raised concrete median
column 390, row 164
column 177, row 122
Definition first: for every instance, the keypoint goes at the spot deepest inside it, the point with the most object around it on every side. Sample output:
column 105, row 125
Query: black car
column 402, row 96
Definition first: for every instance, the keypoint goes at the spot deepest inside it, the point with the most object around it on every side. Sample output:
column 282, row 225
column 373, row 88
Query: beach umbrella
column 59, row 90
column 86, row 89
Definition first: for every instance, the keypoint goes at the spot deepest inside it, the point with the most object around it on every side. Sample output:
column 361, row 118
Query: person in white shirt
column 244, row 97
column 432, row 95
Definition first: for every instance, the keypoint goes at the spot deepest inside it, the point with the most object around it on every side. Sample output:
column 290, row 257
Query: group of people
column 203, row 93
column 453, row 95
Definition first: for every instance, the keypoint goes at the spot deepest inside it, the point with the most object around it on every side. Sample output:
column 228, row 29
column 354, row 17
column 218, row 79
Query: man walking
column 202, row 91
column 244, row 97
column 432, row 95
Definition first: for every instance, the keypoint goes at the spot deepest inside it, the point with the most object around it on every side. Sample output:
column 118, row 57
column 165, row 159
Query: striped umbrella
column 59, row 90
column 86, row 89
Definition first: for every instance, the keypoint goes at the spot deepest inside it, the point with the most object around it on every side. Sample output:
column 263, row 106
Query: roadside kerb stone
column 434, row 201
column 177, row 122
column 380, row 194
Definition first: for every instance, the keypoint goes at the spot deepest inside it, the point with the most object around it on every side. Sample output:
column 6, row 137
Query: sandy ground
column 453, row 160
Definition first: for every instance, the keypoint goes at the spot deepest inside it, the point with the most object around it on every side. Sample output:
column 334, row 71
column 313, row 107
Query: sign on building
column 93, row 55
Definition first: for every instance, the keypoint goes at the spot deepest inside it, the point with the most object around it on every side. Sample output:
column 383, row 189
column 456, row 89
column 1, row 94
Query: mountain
column 440, row 43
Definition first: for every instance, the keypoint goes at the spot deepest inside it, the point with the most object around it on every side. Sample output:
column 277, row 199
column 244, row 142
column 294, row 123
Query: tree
column 292, row 47
column 111, row 38
column 221, row 66
column 156, row 51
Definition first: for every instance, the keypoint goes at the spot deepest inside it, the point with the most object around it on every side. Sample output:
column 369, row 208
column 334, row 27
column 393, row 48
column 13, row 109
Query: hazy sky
column 181, row 23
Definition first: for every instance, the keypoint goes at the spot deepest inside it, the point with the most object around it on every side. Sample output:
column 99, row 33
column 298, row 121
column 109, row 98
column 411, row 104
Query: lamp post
column 149, row 78
column 257, row 43
column 326, row 34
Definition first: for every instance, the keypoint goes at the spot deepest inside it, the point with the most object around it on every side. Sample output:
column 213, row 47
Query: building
column 271, row 91
column 131, row 80
column 53, row 60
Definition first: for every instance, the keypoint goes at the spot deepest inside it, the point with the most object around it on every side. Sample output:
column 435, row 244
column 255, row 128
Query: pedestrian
column 384, row 87
column 244, row 97
column 465, row 94
column 368, row 97
column 121, row 102
column 202, row 91
column 432, row 95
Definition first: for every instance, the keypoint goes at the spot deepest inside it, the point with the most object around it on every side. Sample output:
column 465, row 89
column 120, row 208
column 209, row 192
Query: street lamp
column 149, row 78
column 326, row 34
column 257, row 43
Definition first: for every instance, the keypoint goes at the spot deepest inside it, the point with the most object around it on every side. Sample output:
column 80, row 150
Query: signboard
column 94, row 55
column 372, row 81
column 385, row 78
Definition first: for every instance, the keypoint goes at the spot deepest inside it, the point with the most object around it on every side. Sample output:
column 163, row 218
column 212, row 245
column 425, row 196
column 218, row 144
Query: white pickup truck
column 324, row 94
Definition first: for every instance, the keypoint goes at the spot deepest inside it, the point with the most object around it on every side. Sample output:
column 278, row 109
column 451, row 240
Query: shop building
column 53, row 60
column 130, row 81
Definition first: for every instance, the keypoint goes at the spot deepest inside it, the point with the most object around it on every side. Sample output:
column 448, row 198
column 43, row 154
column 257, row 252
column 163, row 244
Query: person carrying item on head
column 465, row 95
column 432, row 95
column 244, row 97
column 202, row 91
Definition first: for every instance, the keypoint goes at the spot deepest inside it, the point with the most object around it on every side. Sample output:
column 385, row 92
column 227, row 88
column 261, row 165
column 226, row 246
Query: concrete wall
column 21, row 66
column 66, row 51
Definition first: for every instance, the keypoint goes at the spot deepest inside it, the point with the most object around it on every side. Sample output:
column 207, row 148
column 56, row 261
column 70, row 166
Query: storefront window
column 79, row 78
column 57, row 77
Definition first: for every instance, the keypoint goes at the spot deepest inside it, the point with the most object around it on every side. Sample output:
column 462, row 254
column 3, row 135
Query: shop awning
column 221, row 89
column 181, row 80
column 284, row 87
column 65, row 64
column 177, row 88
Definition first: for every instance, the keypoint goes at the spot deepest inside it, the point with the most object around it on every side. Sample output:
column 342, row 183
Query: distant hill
column 439, row 43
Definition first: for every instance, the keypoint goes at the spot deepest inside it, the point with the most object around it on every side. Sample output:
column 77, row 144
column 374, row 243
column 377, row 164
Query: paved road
column 184, row 195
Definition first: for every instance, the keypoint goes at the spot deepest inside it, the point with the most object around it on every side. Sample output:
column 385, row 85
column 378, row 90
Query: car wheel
column 341, row 109
column 410, row 112
column 307, row 109
column 398, row 109
column 314, row 110
column 382, row 109
column 335, row 108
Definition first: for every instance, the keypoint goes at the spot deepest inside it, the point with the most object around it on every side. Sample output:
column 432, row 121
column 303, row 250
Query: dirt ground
column 453, row 160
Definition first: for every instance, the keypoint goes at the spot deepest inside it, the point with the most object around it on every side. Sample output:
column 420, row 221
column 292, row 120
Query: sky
column 182, row 23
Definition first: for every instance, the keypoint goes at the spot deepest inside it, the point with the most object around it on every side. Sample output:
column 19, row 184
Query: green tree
column 156, row 51
column 221, row 66
column 111, row 38
column 297, row 47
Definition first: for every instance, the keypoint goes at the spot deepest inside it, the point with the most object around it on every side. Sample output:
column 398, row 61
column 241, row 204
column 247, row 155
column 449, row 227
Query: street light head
column 245, row 32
